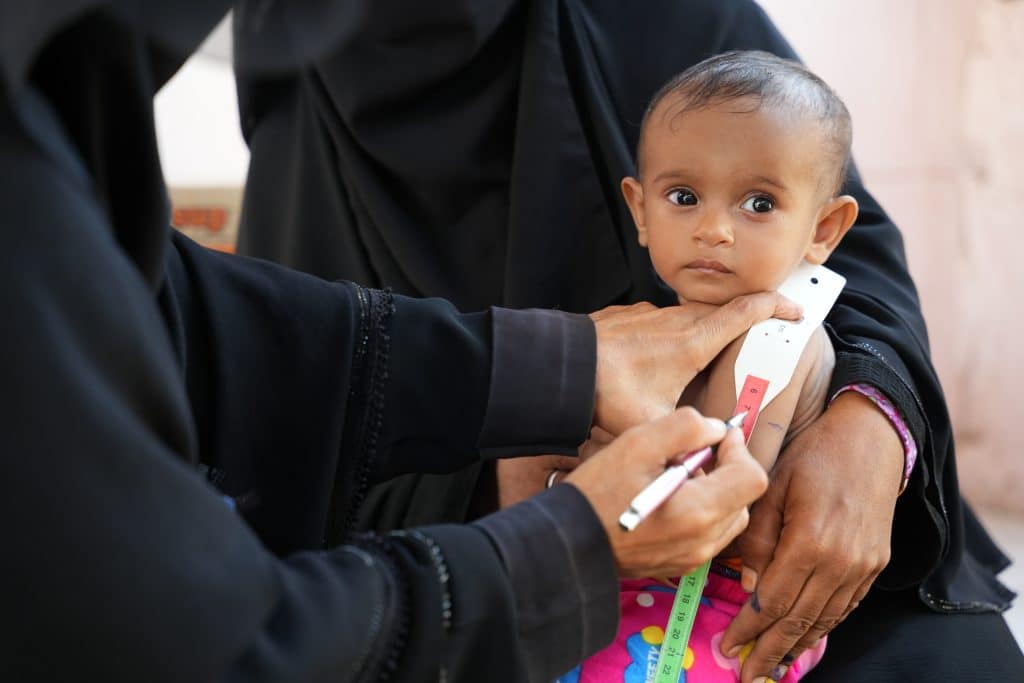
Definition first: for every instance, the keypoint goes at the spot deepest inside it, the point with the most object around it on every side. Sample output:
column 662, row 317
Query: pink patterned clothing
column 646, row 606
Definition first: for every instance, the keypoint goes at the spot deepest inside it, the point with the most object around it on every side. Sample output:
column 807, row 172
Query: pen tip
column 738, row 419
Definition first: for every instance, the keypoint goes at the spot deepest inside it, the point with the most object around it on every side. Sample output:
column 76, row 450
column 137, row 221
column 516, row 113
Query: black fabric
column 439, row 169
column 545, row 619
column 514, row 395
column 187, row 434
column 585, row 70
column 27, row 30
column 918, row 645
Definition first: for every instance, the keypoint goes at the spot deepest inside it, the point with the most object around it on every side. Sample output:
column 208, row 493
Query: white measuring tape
column 765, row 365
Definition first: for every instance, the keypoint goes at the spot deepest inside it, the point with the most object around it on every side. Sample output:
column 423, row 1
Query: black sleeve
column 121, row 563
column 433, row 403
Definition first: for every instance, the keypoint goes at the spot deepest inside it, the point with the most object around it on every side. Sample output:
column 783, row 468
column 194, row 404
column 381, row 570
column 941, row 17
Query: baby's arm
column 799, row 404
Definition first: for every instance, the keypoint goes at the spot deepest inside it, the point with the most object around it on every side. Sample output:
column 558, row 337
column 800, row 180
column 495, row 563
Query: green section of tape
column 680, row 624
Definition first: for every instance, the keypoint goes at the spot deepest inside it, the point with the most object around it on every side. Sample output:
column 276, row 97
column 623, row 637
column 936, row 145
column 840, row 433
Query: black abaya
column 132, row 362
column 479, row 159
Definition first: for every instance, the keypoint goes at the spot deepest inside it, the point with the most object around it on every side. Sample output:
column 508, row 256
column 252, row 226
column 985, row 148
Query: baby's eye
column 682, row 197
column 758, row 204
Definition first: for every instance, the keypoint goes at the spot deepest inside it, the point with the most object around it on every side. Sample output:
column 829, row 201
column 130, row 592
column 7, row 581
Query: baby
column 740, row 163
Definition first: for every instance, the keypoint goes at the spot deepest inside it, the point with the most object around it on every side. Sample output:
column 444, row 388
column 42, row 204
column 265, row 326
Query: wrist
column 854, row 408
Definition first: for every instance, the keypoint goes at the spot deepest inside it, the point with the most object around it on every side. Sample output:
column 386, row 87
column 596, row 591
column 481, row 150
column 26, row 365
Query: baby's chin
column 710, row 299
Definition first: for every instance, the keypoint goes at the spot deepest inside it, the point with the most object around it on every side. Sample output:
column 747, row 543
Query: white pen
column 669, row 481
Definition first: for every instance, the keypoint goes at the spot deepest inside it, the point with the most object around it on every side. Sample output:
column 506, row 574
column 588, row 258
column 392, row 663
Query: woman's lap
column 894, row 637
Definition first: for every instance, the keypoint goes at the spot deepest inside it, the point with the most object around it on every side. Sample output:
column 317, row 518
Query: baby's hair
column 777, row 84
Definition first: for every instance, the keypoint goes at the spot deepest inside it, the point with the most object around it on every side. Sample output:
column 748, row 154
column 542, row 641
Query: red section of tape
column 751, row 396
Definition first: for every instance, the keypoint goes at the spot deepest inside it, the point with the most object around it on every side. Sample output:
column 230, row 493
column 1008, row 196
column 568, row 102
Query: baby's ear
column 633, row 192
column 834, row 221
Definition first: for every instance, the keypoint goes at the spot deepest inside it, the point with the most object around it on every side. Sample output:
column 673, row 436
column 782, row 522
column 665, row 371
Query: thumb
column 757, row 543
column 682, row 431
column 620, row 470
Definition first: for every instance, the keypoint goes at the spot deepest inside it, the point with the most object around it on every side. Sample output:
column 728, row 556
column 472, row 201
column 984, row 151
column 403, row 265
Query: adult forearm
column 881, row 340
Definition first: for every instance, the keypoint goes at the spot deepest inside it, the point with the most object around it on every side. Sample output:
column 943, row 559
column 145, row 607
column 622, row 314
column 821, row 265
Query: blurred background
column 935, row 88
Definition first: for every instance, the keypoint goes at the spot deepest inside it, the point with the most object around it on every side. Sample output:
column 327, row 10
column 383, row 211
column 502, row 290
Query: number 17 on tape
column 684, row 608
column 684, row 611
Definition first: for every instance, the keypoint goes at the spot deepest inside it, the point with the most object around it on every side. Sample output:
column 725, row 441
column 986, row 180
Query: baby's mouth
column 707, row 266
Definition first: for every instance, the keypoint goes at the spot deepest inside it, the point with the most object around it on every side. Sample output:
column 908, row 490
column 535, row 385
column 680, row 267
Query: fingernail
column 734, row 652
column 778, row 672
column 748, row 579
column 761, row 679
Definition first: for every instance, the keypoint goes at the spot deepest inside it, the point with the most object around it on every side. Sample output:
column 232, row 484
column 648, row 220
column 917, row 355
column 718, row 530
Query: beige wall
column 936, row 90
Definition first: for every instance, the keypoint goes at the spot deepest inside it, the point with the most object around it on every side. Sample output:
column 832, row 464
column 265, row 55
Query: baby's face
column 730, row 198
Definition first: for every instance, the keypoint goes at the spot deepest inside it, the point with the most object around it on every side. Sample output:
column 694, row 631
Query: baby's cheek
column 762, row 279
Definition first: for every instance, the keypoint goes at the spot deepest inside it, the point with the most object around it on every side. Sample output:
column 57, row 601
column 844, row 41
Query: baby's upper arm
column 817, row 377
column 794, row 408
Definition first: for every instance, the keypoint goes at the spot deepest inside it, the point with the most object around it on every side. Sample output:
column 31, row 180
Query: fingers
column 736, row 317
column 693, row 524
column 830, row 616
column 860, row 594
column 799, row 599
column 566, row 463
column 646, row 355
column 778, row 588
column 818, row 610
column 709, row 511
column 737, row 478
column 783, row 564
column 757, row 544
column 681, row 431
column 613, row 311
column 616, row 473
column 785, row 309
column 835, row 518
column 589, row 449
column 843, row 601
column 520, row 478
column 734, row 529
column 712, row 333
column 694, row 553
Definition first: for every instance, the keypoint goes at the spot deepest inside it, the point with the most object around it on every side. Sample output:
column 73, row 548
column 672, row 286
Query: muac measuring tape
column 765, row 365
column 684, row 607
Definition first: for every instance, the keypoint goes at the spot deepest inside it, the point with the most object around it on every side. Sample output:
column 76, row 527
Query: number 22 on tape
column 687, row 600
column 765, row 365
column 680, row 624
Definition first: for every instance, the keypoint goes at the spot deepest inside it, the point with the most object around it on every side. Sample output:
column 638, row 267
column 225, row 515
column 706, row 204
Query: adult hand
column 820, row 536
column 647, row 355
column 686, row 530
column 520, row 478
